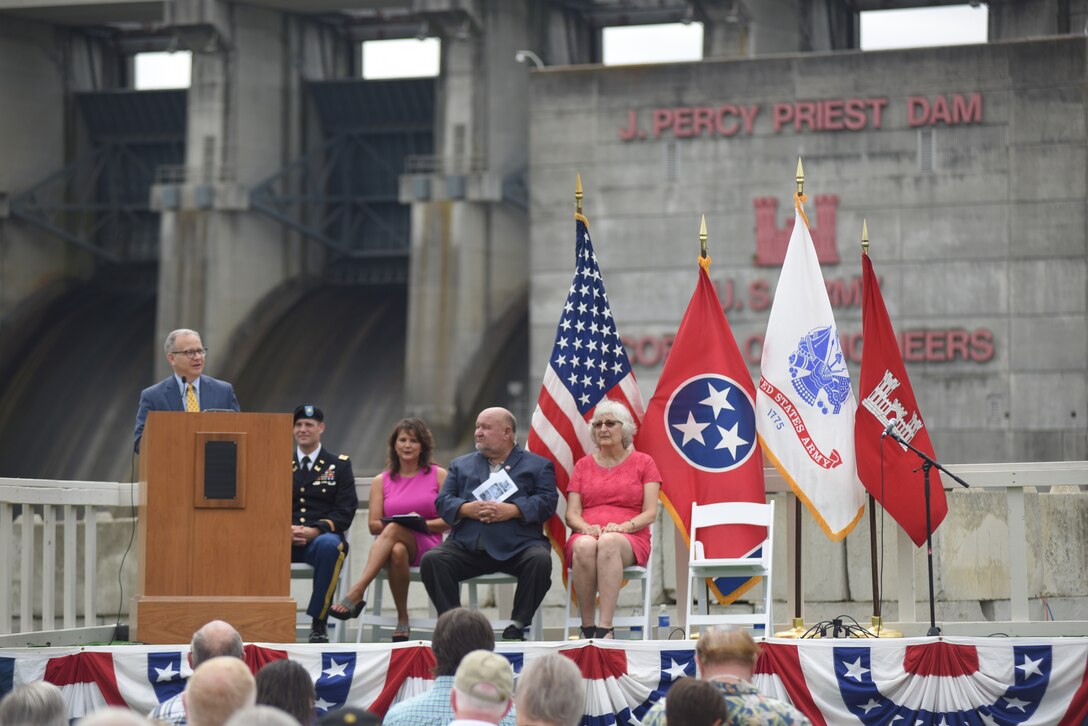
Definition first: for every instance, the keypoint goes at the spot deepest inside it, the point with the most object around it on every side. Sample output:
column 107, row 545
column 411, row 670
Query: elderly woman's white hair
column 607, row 409
column 34, row 704
column 114, row 716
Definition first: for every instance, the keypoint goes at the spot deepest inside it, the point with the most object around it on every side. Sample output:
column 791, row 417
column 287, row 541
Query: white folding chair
column 302, row 571
column 536, row 628
column 372, row 611
column 700, row 567
column 634, row 572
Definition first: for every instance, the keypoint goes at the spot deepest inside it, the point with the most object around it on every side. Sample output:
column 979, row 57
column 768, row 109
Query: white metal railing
column 69, row 499
column 51, row 503
column 1014, row 480
column 45, row 503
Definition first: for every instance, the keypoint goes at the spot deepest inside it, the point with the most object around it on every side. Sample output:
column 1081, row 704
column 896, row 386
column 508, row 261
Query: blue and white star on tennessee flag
column 711, row 422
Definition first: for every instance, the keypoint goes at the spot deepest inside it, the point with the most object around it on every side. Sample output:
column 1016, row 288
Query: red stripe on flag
column 1077, row 712
column 785, row 662
column 404, row 663
column 941, row 659
column 257, row 657
column 561, row 422
column 547, row 406
column 599, row 663
column 96, row 668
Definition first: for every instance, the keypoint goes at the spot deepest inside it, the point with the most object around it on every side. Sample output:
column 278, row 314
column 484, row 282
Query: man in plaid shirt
column 457, row 633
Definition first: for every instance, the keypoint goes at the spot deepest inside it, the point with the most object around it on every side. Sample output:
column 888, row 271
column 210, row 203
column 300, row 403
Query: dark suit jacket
column 165, row 396
column 324, row 497
column 537, row 497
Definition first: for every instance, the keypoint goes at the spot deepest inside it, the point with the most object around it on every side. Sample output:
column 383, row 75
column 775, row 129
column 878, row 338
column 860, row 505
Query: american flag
column 588, row 363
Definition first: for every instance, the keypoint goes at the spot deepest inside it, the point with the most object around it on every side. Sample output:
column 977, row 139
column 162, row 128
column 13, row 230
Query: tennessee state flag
column 700, row 428
column 886, row 398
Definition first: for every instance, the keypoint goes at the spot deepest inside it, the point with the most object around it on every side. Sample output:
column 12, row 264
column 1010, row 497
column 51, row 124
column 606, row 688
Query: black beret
column 349, row 716
column 309, row 411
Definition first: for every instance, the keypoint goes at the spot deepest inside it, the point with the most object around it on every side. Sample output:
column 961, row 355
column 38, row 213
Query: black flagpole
column 927, row 464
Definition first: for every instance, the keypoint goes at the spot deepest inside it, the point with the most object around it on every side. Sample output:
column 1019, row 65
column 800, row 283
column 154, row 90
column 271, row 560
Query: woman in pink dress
column 409, row 485
column 611, row 504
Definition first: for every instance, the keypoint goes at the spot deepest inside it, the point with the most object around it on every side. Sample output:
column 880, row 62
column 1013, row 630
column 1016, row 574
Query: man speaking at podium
column 187, row 389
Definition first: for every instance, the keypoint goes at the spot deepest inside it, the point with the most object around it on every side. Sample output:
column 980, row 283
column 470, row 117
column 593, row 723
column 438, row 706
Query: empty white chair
column 700, row 567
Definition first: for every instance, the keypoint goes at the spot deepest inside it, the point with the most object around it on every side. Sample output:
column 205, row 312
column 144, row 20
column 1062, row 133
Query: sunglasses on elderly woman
column 608, row 424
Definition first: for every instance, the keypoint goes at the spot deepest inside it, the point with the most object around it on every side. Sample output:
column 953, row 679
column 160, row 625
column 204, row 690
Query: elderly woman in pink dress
column 409, row 485
column 611, row 504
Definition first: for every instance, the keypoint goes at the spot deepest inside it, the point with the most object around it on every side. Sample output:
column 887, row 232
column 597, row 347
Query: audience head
column 263, row 716
column 609, row 410
column 726, row 649
column 113, row 716
column 496, row 432
column 349, row 716
column 215, row 639
column 422, row 434
column 218, row 688
column 551, row 692
column 34, row 704
column 287, row 686
column 457, row 633
column 482, row 687
column 694, row 703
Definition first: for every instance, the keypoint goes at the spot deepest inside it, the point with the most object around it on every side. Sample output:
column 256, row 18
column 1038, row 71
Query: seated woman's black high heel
column 589, row 631
column 604, row 632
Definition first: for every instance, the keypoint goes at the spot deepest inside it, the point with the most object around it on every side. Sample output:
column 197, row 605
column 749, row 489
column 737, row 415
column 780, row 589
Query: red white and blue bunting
column 939, row 681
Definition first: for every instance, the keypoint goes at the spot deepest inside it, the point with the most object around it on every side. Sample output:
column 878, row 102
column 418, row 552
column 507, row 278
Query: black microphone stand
column 927, row 464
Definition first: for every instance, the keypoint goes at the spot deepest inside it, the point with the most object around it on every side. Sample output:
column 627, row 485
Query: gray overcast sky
column 884, row 29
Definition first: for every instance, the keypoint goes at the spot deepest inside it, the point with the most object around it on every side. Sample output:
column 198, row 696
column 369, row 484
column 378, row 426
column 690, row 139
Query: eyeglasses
column 192, row 353
column 608, row 424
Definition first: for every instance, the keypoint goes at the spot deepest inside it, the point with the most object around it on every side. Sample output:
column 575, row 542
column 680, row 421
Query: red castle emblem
column 772, row 240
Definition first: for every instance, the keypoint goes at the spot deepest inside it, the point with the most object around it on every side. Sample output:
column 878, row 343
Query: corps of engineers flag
column 805, row 406
column 588, row 363
column 889, row 470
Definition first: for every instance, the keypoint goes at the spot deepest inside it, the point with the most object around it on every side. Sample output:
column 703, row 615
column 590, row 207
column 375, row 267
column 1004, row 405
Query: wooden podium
column 214, row 526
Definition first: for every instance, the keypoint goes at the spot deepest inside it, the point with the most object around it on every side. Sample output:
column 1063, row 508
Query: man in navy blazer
column 188, row 389
column 495, row 535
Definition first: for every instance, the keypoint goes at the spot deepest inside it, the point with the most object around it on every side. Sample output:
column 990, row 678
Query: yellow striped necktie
column 191, row 404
